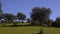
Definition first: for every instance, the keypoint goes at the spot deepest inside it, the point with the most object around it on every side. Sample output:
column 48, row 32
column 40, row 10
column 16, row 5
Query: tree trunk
column 22, row 21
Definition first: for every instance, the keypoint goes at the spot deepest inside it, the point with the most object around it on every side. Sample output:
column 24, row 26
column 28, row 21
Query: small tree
column 9, row 17
column 28, row 20
column 21, row 16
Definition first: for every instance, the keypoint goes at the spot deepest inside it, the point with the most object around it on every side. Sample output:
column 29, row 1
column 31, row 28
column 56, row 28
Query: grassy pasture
column 28, row 30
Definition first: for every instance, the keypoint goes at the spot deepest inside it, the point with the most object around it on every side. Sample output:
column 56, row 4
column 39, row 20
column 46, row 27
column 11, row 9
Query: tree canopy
column 40, row 14
column 21, row 16
column 9, row 17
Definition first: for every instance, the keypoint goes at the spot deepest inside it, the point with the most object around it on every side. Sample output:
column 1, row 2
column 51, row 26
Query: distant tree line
column 39, row 16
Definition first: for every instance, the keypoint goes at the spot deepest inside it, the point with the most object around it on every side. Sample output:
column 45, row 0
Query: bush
column 57, row 22
column 35, row 23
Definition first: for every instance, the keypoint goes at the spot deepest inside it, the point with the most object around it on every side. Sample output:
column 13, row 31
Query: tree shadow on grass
column 56, row 27
column 16, row 25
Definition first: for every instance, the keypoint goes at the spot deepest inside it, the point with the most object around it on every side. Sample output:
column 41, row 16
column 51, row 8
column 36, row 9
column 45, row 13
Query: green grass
column 28, row 30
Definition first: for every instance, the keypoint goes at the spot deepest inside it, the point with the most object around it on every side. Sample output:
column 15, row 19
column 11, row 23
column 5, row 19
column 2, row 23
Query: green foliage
column 35, row 23
column 57, row 22
column 21, row 16
column 28, row 20
column 1, row 12
column 9, row 17
column 48, row 22
column 40, row 14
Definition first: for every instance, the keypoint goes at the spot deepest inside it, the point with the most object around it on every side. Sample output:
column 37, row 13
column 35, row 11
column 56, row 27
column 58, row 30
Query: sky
column 25, row 6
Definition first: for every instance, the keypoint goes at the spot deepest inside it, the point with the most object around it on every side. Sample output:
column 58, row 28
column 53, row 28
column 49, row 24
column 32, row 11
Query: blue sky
column 25, row 6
